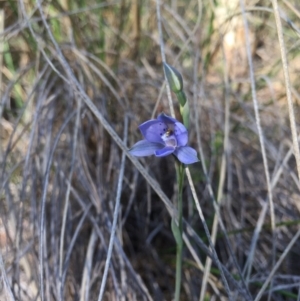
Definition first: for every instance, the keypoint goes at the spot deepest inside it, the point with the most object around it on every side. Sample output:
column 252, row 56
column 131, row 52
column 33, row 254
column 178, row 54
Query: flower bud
column 174, row 78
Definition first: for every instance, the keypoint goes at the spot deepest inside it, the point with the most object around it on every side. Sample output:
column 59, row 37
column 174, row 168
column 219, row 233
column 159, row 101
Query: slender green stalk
column 175, row 82
column 179, row 241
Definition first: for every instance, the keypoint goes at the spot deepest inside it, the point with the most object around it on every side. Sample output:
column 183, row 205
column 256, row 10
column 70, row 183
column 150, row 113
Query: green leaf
column 176, row 232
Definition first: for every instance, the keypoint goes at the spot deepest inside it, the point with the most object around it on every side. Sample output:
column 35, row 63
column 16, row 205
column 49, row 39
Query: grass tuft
column 81, row 222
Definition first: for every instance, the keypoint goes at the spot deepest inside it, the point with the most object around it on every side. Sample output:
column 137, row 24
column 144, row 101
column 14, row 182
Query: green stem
column 180, row 178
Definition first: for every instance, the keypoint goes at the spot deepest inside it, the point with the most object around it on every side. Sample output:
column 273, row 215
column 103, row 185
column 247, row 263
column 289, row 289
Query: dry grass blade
column 215, row 256
column 163, row 55
column 277, row 265
column 287, row 84
column 223, row 168
column 261, row 141
column 71, row 73
column 115, row 216
column 65, row 212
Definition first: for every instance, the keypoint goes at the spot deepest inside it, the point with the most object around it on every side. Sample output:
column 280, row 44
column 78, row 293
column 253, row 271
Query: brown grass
column 60, row 162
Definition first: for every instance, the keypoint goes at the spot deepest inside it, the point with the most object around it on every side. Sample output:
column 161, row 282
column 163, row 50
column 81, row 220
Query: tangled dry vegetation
column 62, row 168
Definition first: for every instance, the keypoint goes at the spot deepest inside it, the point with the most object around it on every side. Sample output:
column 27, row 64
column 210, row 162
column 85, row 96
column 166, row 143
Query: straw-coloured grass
column 83, row 220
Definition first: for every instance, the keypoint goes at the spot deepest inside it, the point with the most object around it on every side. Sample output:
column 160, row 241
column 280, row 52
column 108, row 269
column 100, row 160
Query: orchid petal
column 152, row 130
column 166, row 119
column 168, row 150
column 181, row 134
column 186, row 155
column 145, row 148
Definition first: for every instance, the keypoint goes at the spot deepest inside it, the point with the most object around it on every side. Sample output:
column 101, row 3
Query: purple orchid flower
column 164, row 136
